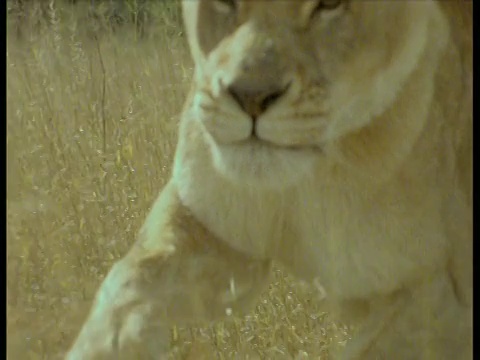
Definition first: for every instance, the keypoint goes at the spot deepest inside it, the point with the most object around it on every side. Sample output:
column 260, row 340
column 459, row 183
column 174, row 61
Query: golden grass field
column 92, row 117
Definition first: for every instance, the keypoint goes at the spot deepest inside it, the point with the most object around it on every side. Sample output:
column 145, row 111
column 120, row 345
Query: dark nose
column 255, row 100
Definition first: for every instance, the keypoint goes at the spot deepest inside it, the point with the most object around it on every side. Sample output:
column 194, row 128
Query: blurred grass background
column 94, row 91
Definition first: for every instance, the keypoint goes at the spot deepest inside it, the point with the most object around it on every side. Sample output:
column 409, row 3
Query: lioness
column 334, row 137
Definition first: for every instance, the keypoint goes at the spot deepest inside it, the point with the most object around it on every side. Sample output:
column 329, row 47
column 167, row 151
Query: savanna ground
column 92, row 110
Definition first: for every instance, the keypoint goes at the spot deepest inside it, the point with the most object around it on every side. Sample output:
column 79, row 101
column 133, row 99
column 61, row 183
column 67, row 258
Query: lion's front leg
column 119, row 323
column 176, row 273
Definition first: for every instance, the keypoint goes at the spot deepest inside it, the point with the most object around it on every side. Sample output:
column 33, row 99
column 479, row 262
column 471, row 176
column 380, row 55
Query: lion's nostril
column 237, row 96
column 270, row 99
column 255, row 101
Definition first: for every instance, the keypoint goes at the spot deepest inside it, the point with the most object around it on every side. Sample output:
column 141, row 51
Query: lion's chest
column 357, row 246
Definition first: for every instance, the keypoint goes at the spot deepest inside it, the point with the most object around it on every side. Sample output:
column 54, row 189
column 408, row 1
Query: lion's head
column 279, row 81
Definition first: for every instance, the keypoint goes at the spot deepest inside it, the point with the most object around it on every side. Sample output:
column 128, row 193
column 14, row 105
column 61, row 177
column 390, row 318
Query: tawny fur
column 360, row 177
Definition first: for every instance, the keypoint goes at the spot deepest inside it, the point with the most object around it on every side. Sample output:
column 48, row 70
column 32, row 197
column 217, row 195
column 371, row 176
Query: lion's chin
column 262, row 164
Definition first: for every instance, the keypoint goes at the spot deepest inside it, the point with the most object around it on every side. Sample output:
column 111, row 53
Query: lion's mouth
column 256, row 142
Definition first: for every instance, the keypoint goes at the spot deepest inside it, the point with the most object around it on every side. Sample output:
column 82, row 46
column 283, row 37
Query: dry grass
column 89, row 146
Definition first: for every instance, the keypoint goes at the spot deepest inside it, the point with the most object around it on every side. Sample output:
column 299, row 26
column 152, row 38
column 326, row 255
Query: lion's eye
column 326, row 9
column 325, row 5
column 225, row 5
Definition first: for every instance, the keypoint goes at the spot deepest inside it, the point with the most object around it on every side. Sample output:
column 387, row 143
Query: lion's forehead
column 275, row 5
column 294, row 9
column 274, row 9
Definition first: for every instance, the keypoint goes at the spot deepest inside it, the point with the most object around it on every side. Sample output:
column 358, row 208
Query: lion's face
column 278, row 82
